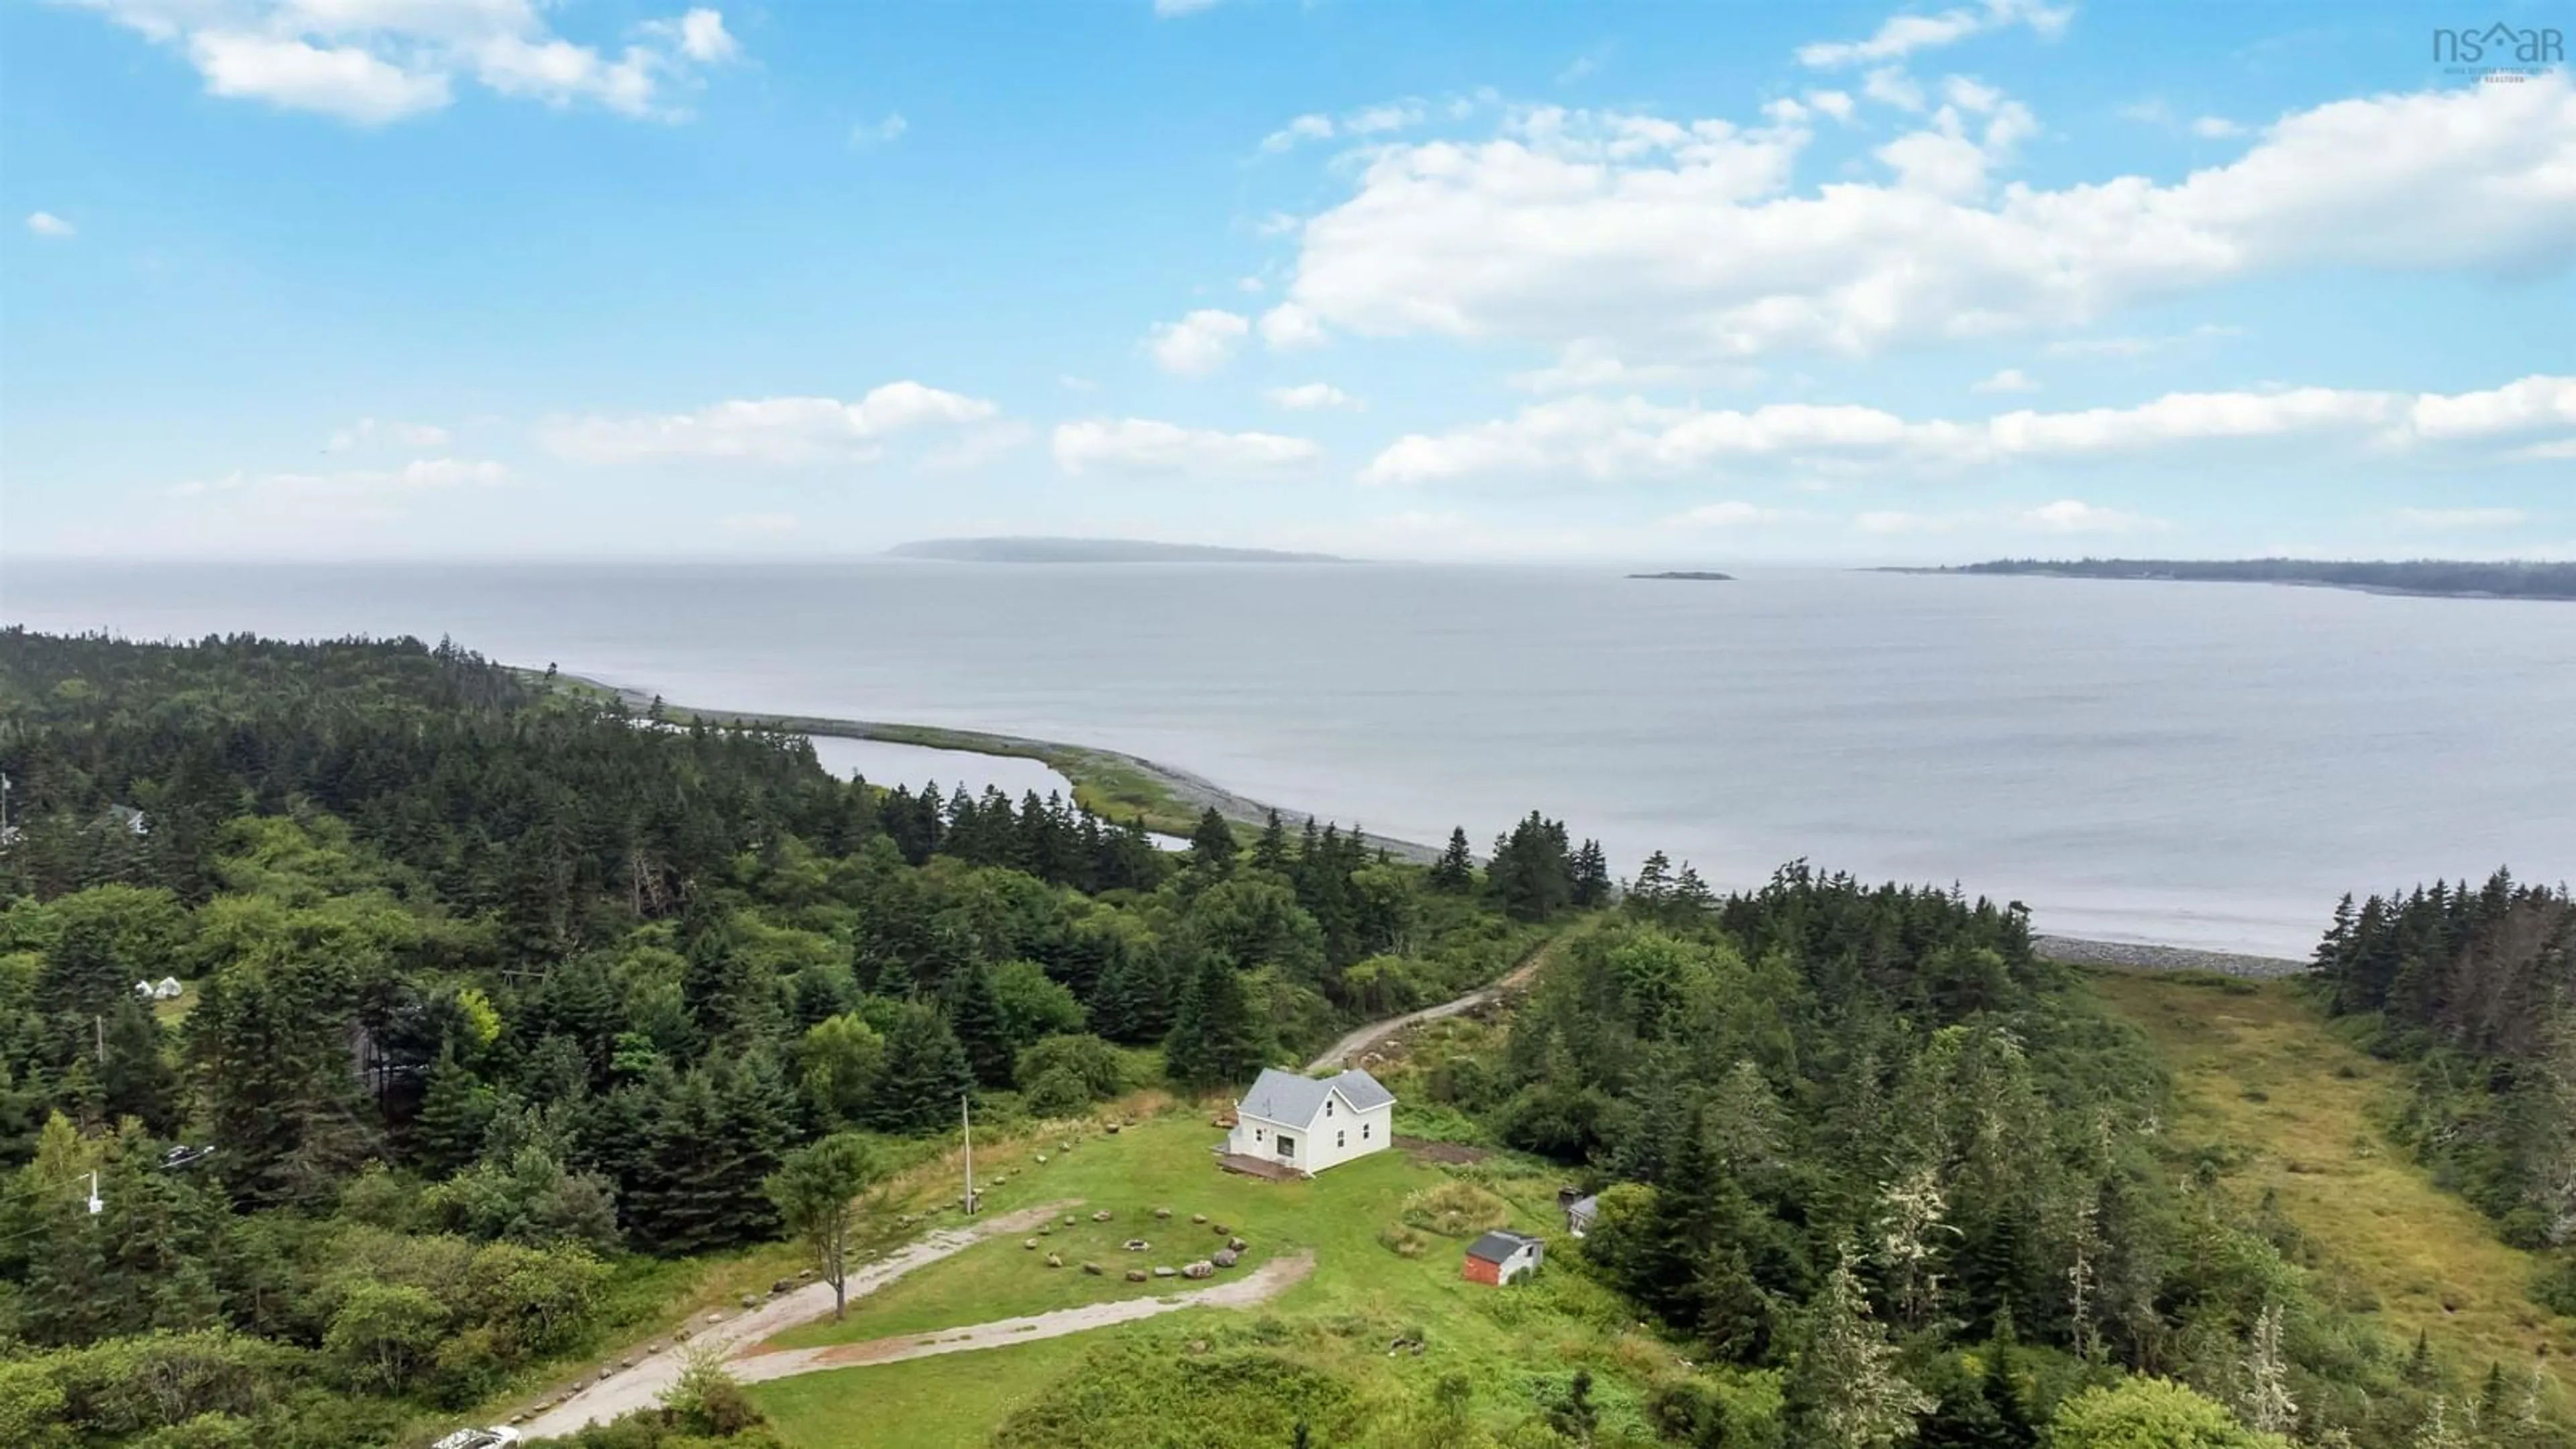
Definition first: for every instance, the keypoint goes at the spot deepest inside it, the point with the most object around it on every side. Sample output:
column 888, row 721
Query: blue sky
column 363, row 278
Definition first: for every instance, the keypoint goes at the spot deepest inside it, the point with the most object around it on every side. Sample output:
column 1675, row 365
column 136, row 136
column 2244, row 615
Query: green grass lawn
column 1164, row 1162
column 1359, row 1297
column 1002, row 1279
column 949, row 1402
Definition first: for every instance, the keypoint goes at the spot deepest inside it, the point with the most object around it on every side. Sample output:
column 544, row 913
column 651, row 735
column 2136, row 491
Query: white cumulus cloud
column 369, row 432
column 1148, row 445
column 46, row 224
column 1612, row 439
column 1199, row 343
column 1902, row 35
column 373, row 62
column 1311, row 397
column 1663, row 240
column 2010, row 379
column 782, row 430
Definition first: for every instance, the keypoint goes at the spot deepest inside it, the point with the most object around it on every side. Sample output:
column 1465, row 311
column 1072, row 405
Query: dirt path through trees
column 1360, row 1038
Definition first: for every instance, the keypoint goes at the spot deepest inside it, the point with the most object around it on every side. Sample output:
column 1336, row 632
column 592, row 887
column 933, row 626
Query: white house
column 1307, row 1125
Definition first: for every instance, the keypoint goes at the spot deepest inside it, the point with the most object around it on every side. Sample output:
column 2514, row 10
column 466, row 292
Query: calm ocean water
column 2201, row 764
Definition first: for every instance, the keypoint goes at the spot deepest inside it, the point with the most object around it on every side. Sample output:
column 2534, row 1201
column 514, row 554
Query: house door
column 1287, row 1145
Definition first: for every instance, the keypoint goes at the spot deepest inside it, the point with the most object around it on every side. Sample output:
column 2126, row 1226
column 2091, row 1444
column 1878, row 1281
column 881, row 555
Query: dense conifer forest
column 496, row 997
column 2476, row 988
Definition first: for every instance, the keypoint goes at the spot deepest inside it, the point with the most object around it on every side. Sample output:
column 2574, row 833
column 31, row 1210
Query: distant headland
column 1703, row 575
column 2445, row 578
column 1094, row 551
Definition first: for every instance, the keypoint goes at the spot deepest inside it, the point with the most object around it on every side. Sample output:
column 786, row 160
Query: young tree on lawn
column 816, row 1189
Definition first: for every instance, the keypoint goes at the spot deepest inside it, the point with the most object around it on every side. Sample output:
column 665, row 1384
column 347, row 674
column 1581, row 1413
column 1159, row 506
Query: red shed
column 1497, row 1258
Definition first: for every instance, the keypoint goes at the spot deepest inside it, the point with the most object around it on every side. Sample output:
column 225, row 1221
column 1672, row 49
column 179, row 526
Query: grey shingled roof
column 1494, row 1247
column 1287, row 1097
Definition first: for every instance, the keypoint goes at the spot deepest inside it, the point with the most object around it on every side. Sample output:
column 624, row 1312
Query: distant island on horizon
column 1095, row 551
column 2442, row 578
column 1702, row 575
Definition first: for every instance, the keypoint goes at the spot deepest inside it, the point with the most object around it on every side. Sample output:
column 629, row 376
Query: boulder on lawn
column 1055, row 1260
column 1113, row 1129
column 1137, row 1275
column 1235, row 1243
column 1200, row 1269
column 1162, row 1212
column 1198, row 1217
column 1226, row 1258
column 1041, row 1159
column 1029, row 1243
column 783, row 1285
column 1101, row 1216
column 751, row 1300
column 1137, row 1245
column 1163, row 1272
column 1070, row 1220
column 1223, row 1231
column 1092, row 1268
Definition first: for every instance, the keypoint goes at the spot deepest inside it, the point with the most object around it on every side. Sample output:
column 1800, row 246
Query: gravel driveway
column 640, row 1387
column 1258, row 1286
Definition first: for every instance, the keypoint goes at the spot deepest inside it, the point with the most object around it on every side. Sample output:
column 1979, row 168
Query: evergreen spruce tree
column 1216, row 1039
column 455, row 1111
column 925, row 1074
column 1212, row 845
column 710, row 1132
column 137, row 1079
column 2013, row 1429
column 975, row 1016
column 1123, row 1005
column 1591, row 876
column 1843, row 1389
column 1270, row 852
column 1455, row 871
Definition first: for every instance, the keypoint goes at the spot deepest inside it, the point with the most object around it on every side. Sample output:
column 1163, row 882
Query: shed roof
column 1287, row 1097
column 1496, row 1246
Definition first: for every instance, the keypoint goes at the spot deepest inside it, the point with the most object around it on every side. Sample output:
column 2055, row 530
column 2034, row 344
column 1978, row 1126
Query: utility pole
column 98, row 1028
column 966, row 1116
column 95, row 1206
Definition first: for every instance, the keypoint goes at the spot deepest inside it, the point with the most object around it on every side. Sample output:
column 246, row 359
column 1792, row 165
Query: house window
column 1364, row 1131
column 1337, row 1139
column 1256, row 1134
column 1328, row 1106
